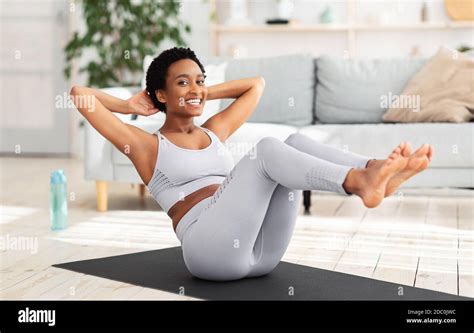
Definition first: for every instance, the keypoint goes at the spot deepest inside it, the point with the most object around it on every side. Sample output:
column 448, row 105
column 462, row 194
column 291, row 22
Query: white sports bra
column 179, row 171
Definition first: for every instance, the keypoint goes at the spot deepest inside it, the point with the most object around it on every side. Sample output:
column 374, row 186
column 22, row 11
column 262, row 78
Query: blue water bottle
column 58, row 200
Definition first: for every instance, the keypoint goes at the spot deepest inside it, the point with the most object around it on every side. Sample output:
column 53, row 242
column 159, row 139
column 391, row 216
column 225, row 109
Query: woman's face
column 185, row 92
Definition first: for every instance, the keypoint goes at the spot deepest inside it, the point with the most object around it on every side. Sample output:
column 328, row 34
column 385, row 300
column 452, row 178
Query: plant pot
column 285, row 9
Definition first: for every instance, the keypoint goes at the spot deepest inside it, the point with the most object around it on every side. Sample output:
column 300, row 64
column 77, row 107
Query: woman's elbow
column 260, row 82
column 74, row 90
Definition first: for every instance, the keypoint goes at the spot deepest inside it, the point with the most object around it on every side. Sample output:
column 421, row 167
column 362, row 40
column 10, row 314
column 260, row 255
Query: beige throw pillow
column 442, row 91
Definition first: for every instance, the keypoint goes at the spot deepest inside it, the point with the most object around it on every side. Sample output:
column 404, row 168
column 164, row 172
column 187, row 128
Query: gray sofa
column 334, row 101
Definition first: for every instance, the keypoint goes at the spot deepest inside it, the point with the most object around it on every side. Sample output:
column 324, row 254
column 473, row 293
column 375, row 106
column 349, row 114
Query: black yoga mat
column 165, row 270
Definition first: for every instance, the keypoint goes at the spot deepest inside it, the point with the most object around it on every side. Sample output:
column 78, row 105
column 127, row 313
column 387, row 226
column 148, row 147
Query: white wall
column 32, row 34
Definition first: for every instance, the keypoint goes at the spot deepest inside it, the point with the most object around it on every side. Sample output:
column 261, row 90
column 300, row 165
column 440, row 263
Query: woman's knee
column 267, row 145
column 293, row 138
column 269, row 141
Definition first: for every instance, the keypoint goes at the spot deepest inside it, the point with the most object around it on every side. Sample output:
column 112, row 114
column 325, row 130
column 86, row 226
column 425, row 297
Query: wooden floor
column 421, row 238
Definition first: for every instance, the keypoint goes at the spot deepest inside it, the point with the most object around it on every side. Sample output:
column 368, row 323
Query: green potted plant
column 122, row 32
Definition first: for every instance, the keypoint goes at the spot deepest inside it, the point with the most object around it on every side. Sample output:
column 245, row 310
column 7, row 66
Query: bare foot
column 370, row 183
column 417, row 162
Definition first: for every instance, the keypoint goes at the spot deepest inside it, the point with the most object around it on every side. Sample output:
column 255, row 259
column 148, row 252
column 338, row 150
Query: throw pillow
column 442, row 91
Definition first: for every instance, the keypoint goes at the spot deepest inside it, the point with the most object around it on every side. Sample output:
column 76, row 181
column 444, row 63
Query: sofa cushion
column 453, row 142
column 350, row 90
column 289, row 90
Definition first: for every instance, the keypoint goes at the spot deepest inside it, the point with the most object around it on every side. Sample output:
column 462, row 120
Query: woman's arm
column 112, row 103
column 232, row 89
column 247, row 93
column 97, row 108
column 138, row 104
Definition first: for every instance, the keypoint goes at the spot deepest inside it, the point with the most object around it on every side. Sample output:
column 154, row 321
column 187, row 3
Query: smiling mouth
column 194, row 101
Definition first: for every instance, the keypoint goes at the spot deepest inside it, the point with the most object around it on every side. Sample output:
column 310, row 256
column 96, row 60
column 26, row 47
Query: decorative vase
column 326, row 16
column 238, row 13
column 285, row 9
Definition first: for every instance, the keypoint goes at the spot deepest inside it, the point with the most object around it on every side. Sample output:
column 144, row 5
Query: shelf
column 350, row 30
column 461, row 24
column 279, row 28
column 421, row 26
column 338, row 27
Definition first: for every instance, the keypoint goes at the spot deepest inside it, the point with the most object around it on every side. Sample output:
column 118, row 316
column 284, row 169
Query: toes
column 424, row 163
column 430, row 153
column 423, row 150
column 403, row 149
column 398, row 149
column 419, row 164
column 407, row 151
column 393, row 156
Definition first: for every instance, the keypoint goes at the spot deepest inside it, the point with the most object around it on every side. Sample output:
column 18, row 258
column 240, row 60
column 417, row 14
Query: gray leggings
column 244, row 229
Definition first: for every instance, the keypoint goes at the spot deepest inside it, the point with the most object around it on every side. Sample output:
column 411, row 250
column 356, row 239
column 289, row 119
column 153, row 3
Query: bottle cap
column 58, row 177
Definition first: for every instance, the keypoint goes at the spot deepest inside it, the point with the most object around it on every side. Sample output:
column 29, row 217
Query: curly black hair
column 156, row 73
